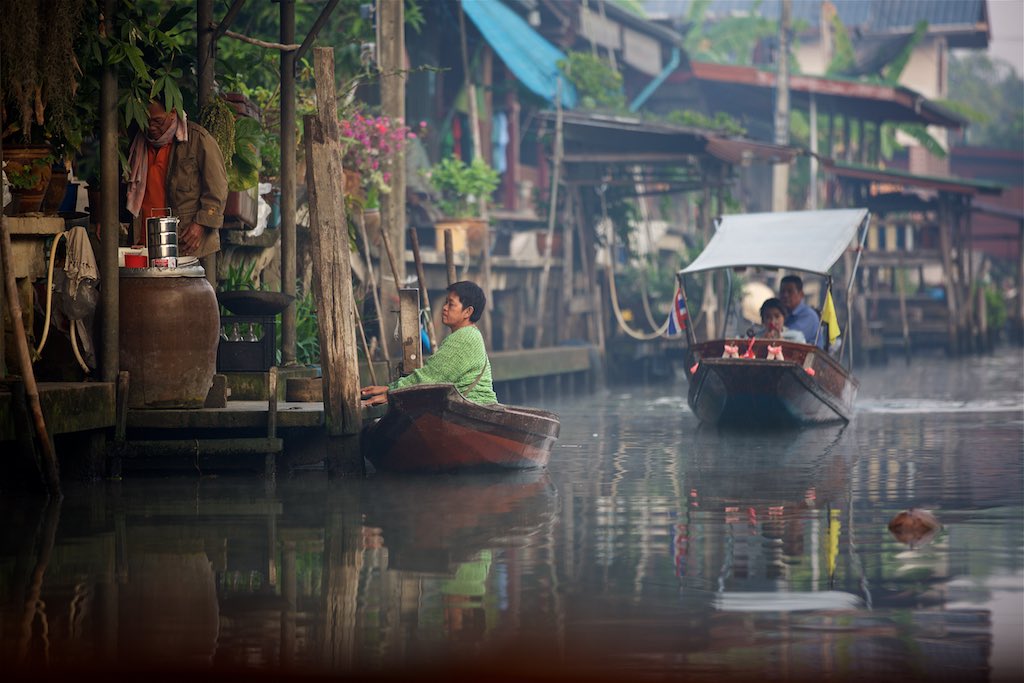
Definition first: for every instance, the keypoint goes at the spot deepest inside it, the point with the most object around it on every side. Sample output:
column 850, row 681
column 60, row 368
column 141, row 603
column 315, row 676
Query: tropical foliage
column 462, row 185
column 597, row 83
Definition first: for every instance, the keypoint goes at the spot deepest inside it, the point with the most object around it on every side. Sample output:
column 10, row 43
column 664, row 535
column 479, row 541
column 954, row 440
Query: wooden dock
column 250, row 433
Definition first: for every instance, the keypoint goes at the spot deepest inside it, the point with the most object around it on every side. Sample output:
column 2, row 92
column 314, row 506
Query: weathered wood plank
column 330, row 247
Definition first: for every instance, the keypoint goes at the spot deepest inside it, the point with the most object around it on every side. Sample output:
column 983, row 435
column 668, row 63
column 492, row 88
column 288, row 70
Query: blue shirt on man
column 804, row 318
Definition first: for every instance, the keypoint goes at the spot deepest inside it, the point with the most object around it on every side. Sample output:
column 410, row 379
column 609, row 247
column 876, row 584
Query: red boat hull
column 807, row 387
column 433, row 428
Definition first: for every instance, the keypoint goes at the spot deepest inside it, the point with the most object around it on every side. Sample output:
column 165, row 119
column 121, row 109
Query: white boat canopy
column 807, row 241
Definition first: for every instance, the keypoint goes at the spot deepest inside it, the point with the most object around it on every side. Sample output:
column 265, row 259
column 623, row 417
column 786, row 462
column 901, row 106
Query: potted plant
column 461, row 187
column 371, row 145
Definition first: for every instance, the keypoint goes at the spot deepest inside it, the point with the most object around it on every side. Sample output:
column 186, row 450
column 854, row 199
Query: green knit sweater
column 458, row 360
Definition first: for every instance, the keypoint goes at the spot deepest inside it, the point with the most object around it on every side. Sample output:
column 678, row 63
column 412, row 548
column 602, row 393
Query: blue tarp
column 530, row 57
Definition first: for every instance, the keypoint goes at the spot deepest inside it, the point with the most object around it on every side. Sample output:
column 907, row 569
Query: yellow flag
column 828, row 315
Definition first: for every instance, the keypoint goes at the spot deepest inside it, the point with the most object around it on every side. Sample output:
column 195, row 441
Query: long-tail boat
column 433, row 428
column 766, row 382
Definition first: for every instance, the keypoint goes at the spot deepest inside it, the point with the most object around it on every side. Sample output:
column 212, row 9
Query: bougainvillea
column 371, row 144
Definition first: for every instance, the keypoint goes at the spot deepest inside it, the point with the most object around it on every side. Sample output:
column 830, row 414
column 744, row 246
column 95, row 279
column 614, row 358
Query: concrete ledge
column 557, row 360
column 67, row 407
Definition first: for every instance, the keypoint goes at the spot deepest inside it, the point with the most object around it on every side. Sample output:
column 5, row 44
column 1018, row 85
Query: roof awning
column 891, row 176
column 752, row 90
column 531, row 58
column 806, row 241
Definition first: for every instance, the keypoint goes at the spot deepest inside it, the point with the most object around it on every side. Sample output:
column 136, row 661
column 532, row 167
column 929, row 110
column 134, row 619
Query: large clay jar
column 169, row 328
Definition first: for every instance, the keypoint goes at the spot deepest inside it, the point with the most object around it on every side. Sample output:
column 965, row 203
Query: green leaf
column 134, row 55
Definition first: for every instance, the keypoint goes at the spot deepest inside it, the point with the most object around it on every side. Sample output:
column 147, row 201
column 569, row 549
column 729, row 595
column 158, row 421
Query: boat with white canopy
column 760, row 382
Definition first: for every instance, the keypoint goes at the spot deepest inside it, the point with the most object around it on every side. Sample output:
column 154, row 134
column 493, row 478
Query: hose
column 49, row 304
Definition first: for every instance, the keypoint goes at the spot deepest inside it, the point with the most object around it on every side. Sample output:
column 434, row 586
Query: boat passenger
column 801, row 316
column 773, row 317
column 460, row 359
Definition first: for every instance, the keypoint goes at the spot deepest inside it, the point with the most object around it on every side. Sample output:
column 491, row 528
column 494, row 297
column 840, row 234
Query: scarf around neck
column 138, row 159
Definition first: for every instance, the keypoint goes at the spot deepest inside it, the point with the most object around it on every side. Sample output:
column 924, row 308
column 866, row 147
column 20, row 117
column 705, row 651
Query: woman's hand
column 374, row 395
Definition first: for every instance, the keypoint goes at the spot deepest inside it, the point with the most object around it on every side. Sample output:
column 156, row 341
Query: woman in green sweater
column 460, row 359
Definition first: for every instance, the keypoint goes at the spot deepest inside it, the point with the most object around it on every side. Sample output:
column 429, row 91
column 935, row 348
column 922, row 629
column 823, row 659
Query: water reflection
column 652, row 547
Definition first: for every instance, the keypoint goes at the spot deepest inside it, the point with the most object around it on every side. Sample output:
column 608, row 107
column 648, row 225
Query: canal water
column 651, row 549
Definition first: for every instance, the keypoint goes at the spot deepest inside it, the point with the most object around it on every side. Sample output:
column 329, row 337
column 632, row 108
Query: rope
column 613, row 293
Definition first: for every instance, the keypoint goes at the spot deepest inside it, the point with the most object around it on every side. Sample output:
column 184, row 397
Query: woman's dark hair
column 469, row 294
column 773, row 303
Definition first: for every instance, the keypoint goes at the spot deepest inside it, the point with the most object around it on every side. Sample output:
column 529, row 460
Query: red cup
column 135, row 261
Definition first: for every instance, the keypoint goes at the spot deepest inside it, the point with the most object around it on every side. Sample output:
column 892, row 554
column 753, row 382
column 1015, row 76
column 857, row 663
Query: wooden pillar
column 206, row 58
column 847, row 149
column 813, row 193
column 391, row 22
column 1020, row 281
column 288, row 173
column 862, row 147
column 331, row 254
column 510, row 183
column 945, row 248
column 109, row 227
column 830, row 144
column 566, row 320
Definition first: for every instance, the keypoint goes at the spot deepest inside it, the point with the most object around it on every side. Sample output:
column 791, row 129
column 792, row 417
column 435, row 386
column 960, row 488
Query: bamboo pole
column 415, row 241
column 366, row 347
column 361, row 222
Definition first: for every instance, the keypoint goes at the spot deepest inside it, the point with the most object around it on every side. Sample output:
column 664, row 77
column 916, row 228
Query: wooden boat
column 433, row 428
column 760, row 392
column 808, row 385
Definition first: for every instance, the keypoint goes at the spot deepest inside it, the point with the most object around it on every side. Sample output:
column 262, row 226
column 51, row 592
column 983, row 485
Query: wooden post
column 409, row 329
column 431, row 334
column 542, row 288
column 391, row 49
column 449, row 256
column 567, row 269
column 945, row 247
column 898, row 276
column 288, row 173
column 333, row 274
column 109, row 226
column 272, row 403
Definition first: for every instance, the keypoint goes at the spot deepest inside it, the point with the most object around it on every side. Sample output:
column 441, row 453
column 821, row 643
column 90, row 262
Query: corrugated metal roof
column 869, row 15
column 531, row 58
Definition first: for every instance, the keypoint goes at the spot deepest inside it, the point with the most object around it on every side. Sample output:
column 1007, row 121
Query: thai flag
column 678, row 316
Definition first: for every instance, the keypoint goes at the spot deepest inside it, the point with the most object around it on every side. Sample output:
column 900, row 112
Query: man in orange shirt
column 177, row 165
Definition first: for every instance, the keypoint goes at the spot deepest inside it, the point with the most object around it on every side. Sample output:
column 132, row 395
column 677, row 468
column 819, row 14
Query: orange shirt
column 155, row 199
